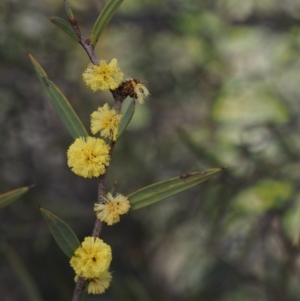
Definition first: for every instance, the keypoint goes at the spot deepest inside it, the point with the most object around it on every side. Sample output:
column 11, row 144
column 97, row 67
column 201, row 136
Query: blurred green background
column 224, row 78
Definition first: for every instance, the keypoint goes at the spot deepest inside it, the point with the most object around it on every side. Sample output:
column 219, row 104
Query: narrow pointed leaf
column 60, row 103
column 126, row 118
column 23, row 274
column 61, row 232
column 10, row 196
column 103, row 19
column 162, row 190
column 65, row 26
column 68, row 10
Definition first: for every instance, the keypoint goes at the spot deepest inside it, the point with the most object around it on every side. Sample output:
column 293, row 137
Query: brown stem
column 86, row 44
column 101, row 193
column 118, row 98
column 78, row 291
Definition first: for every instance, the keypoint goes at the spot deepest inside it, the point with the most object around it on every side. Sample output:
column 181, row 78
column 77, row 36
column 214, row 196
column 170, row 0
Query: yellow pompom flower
column 141, row 92
column 88, row 157
column 110, row 211
column 92, row 258
column 106, row 121
column 105, row 76
column 100, row 284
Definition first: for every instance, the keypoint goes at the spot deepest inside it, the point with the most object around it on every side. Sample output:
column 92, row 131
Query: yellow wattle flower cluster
column 88, row 157
column 91, row 261
column 106, row 121
column 141, row 92
column 100, row 284
column 105, row 76
column 110, row 210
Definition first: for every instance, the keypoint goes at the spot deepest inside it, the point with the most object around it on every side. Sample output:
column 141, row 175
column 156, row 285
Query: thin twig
column 101, row 194
column 86, row 44
column 118, row 98
column 78, row 291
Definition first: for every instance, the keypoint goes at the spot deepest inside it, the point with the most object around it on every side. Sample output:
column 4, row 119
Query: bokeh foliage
column 224, row 81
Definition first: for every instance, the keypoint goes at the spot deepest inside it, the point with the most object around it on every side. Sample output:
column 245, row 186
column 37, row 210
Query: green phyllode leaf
column 61, row 232
column 126, row 118
column 10, row 196
column 162, row 190
column 68, row 10
column 103, row 19
column 65, row 26
column 60, row 103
